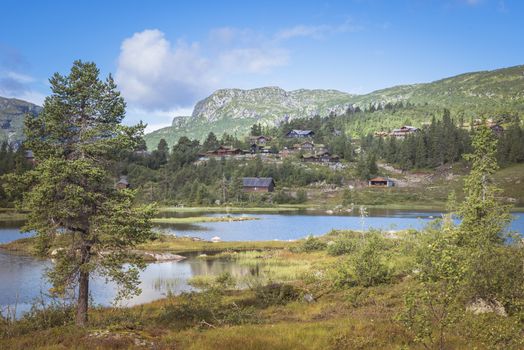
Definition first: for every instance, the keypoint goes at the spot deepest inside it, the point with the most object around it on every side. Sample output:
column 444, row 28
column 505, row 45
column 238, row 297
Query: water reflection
column 23, row 282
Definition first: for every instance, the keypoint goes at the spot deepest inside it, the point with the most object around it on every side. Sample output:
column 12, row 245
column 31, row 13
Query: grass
column 164, row 243
column 200, row 219
column 340, row 318
column 10, row 214
column 183, row 245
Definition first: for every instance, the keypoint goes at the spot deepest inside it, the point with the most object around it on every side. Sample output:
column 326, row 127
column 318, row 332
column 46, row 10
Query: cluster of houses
column 399, row 133
column 308, row 151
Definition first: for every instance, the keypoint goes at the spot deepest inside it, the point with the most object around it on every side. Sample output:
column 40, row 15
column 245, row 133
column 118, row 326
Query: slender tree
column 71, row 193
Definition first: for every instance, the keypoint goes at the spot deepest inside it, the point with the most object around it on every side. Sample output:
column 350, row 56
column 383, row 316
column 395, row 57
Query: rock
column 309, row 298
column 329, row 212
column 165, row 256
column 481, row 306
column 56, row 251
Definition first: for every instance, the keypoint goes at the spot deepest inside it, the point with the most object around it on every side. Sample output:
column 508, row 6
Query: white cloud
column 153, row 73
column 155, row 119
column 253, row 60
column 18, row 85
column 317, row 32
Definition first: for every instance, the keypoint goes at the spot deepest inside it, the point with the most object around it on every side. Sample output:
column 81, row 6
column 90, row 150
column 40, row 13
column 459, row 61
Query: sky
column 167, row 55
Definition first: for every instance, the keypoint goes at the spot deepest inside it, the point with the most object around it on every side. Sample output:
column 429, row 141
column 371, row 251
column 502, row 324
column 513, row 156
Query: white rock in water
column 166, row 256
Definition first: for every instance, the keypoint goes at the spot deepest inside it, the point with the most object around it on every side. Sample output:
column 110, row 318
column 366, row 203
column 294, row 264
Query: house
column 320, row 149
column 309, row 158
column 122, row 183
column 403, row 131
column 259, row 140
column 381, row 182
column 286, row 152
column 224, row 151
column 266, row 150
column 326, row 157
column 30, row 157
column 298, row 134
column 307, row 146
column 258, row 184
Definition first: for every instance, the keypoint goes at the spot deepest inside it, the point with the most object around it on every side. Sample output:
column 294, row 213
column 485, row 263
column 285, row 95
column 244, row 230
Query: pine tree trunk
column 83, row 291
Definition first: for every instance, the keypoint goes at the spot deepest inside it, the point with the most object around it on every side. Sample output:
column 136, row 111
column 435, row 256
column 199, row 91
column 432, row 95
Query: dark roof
column 257, row 181
column 300, row 132
column 123, row 180
column 29, row 154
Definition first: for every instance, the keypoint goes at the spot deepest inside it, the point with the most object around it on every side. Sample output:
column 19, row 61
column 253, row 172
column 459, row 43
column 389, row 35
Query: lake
column 292, row 226
column 22, row 280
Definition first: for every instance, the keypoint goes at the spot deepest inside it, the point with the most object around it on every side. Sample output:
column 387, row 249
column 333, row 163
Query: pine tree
column 483, row 216
column 71, row 192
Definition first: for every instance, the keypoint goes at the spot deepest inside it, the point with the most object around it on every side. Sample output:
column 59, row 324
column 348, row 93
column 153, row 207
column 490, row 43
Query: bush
column 340, row 246
column 364, row 267
column 311, row 244
column 41, row 316
column 369, row 269
column 206, row 308
column 276, row 294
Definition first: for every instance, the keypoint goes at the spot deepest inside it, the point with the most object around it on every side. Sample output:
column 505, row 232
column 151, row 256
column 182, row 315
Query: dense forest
column 176, row 176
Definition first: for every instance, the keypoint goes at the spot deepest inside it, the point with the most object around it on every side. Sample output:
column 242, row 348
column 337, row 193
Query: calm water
column 22, row 282
column 296, row 226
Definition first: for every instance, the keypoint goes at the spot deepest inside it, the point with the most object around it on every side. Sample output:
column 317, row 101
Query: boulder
column 482, row 306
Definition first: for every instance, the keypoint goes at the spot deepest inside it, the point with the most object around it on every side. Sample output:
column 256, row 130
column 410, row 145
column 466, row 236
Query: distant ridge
column 235, row 110
column 12, row 112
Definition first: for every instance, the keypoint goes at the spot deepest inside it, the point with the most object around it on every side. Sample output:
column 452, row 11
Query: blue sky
column 167, row 55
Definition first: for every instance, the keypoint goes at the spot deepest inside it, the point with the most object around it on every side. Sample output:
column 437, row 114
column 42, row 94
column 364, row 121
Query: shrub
column 206, row 308
column 276, row 294
column 340, row 246
column 369, row 269
column 311, row 244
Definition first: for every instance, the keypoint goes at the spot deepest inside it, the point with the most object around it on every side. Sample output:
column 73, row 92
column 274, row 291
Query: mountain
column 234, row 110
column 12, row 112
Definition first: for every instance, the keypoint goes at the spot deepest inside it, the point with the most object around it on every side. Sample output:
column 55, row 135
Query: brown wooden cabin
column 259, row 140
column 381, row 182
column 403, row 131
column 223, row 151
column 258, row 184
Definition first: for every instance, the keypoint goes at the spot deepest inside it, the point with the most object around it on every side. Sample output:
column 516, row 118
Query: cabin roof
column 300, row 132
column 123, row 180
column 257, row 181
column 380, row 178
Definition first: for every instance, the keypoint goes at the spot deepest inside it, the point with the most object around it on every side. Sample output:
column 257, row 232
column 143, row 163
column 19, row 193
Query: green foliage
column 342, row 245
column 70, row 192
column 205, row 309
column 474, row 261
column 369, row 268
column 311, row 244
column 276, row 294
column 489, row 93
